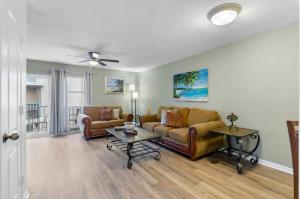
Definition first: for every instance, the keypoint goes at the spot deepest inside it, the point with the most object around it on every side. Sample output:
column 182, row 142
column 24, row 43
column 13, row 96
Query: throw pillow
column 116, row 114
column 163, row 117
column 175, row 119
column 106, row 114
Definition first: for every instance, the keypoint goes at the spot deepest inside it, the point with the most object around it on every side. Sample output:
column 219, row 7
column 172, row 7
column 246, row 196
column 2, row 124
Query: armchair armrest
column 148, row 118
column 127, row 116
column 201, row 130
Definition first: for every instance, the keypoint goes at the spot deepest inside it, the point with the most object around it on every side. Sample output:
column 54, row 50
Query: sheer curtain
column 87, row 88
column 58, row 108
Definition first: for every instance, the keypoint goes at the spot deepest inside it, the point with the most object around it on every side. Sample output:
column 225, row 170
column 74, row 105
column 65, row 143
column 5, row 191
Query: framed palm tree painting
column 191, row 86
column 114, row 85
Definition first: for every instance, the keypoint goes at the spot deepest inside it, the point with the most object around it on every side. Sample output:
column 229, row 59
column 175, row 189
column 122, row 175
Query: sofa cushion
column 162, row 108
column 162, row 130
column 150, row 125
column 180, row 135
column 175, row 119
column 197, row 116
column 119, row 122
column 100, row 124
column 93, row 112
column 116, row 113
column 106, row 114
column 185, row 113
column 116, row 107
column 163, row 117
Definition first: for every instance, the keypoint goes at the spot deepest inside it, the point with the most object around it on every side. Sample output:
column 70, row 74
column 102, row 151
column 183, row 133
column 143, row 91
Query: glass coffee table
column 133, row 145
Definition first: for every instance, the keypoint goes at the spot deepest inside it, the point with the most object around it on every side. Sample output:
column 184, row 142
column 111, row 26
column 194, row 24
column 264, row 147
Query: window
column 75, row 89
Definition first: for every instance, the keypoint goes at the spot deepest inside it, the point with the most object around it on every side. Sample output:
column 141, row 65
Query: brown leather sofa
column 90, row 124
column 193, row 140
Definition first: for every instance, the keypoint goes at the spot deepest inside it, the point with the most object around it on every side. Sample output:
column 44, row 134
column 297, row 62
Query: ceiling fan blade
column 110, row 60
column 84, row 61
column 101, row 63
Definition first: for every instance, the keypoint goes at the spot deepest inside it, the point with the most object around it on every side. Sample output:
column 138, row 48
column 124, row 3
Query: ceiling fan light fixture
column 224, row 14
column 93, row 63
column 94, row 55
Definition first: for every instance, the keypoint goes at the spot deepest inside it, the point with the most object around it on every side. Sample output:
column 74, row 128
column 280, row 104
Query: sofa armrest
column 127, row 116
column 148, row 118
column 85, row 122
column 201, row 130
column 81, row 118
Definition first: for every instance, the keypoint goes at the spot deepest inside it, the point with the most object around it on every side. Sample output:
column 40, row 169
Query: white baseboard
column 276, row 166
column 26, row 194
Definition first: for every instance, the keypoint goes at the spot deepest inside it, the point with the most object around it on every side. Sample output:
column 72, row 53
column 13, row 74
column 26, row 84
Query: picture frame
column 191, row 86
column 114, row 85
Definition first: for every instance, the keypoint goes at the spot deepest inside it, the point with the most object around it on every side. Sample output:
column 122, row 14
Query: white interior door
column 12, row 69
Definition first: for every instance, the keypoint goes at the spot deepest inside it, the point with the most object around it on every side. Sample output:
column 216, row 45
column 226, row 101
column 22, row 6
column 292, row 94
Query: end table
column 238, row 155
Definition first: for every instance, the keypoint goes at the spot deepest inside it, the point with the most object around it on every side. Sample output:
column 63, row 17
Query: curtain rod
column 34, row 70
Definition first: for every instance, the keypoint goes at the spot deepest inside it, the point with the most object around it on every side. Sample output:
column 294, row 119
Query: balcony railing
column 37, row 117
column 73, row 113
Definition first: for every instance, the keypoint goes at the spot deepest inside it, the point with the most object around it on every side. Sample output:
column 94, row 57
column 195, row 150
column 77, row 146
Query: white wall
column 255, row 78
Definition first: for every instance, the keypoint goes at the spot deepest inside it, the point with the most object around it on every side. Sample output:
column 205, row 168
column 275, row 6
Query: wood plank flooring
column 70, row 167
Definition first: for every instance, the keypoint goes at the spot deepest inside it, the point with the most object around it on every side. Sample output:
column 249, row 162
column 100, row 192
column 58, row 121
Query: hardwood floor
column 72, row 168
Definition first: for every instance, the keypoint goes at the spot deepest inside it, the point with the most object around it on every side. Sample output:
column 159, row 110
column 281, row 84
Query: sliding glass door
column 75, row 98
column 38, row 88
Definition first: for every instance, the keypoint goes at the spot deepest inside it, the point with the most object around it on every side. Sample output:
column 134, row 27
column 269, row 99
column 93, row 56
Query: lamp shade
column 135, row 95
column 131, row 87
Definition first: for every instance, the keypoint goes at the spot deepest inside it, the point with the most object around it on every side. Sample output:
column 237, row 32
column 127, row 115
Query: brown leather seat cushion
column 100, row 124
column 162, row 130
column 119, row 122
column 179, row 134
column 107, row 124
column 150, row 125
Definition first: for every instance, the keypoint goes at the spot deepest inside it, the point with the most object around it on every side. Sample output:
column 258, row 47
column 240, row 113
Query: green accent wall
column 256, row 78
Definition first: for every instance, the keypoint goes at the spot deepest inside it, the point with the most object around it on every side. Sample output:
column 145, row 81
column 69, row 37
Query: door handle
column 13, row 136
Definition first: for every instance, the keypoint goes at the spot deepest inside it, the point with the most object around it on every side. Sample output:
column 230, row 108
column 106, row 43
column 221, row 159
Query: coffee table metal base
column 134, row 150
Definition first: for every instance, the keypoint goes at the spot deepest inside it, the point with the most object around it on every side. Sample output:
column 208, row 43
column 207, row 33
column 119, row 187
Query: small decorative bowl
column 129, row 126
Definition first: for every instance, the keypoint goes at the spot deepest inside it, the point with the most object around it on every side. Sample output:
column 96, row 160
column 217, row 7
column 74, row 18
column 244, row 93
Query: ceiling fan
column 94, row 59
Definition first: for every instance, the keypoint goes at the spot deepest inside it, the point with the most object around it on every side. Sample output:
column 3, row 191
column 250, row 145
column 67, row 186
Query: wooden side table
column 238, row 155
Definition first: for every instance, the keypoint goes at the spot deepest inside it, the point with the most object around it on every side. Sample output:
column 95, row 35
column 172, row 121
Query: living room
column 160, row 99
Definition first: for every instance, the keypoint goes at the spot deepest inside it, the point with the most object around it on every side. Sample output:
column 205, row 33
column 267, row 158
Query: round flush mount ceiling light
column 224, row 14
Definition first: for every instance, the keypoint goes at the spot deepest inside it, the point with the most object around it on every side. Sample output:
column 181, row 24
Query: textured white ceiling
column 143, row 33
